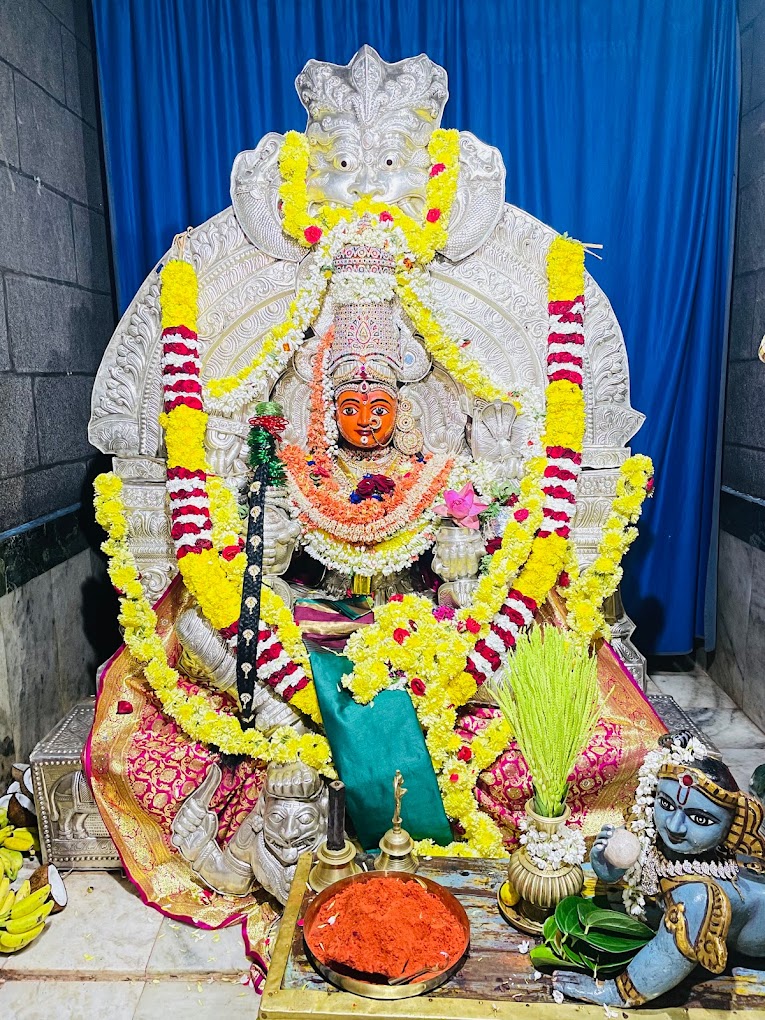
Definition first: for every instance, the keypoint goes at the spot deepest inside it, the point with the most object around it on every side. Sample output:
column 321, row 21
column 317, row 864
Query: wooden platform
column 497, row 981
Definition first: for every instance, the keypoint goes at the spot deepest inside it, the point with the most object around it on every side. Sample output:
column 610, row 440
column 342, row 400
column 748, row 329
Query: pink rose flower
column 462, row 506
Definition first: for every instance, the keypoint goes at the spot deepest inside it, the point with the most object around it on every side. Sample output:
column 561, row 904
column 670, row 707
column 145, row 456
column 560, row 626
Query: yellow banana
column 18, row 925
column 5, row 884
column 5, row 832
column 2, row 868
column 29, row 904
column 22, row 843
column 23, row 891
column 9, row 943
column 12, row 857
column 7, row 903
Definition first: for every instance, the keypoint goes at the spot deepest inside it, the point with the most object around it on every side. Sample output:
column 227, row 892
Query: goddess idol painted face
column 686, row 820
column 366, row 416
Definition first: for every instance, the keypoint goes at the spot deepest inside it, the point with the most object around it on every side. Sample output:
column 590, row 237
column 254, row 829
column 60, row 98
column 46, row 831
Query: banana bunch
column 22, row 914
column 14, row 843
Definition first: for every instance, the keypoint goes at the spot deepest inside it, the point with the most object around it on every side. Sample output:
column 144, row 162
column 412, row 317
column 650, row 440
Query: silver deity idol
column 289, row 818
column 368, row 128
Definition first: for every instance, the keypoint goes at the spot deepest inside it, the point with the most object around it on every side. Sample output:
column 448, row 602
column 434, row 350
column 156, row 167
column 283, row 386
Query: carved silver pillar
column 143, row 490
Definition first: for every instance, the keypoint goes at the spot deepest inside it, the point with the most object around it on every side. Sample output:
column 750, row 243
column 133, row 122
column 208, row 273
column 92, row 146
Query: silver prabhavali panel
column 490, row 280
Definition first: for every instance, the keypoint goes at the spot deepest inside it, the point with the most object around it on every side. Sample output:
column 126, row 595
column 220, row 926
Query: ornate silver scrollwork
column 491, row 284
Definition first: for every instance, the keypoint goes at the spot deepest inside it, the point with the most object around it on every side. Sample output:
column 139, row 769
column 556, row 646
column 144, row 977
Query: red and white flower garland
column 565, row 347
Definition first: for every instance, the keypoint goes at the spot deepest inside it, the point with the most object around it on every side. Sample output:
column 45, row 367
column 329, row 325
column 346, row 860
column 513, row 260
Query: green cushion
column 369, row 742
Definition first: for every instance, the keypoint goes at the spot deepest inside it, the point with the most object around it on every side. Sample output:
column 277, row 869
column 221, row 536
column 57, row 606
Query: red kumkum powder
column 387, row 926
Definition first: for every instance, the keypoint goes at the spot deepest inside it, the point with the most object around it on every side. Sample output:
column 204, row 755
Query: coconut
column 27, row 784
column 21, row 811
column 17, row 771
column 622, row 849
column 47, row 874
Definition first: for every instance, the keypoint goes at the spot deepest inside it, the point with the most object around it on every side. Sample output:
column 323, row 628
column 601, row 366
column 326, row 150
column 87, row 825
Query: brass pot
column 540, row 891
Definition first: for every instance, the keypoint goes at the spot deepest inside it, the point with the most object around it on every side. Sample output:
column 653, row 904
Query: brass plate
column 379, row 990
column 513, row 917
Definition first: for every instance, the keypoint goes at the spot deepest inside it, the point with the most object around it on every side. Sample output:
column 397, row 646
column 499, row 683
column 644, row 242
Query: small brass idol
column 336, row 857
column 397, row 846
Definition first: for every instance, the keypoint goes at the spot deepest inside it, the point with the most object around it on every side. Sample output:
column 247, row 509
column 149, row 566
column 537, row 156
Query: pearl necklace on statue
column 658, row 866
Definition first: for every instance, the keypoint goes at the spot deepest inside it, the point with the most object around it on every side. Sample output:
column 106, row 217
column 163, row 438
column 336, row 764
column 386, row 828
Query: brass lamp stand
column 336, row 857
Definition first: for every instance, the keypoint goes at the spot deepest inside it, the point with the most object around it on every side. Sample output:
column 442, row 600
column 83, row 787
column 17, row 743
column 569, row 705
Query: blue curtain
column 617, row 122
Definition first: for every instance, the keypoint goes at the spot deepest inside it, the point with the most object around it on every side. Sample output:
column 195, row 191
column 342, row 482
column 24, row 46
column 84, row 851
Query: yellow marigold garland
column 589, row 590
column 196, row 714
column 423, row 239
column 465, row 370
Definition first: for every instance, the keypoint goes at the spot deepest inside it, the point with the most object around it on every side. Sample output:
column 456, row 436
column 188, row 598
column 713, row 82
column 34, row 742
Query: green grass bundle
column 549, row 694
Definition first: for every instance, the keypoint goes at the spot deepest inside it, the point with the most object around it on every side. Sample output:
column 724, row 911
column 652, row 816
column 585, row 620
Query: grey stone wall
column 57, row 612
column 738, row 664
column 56, row 306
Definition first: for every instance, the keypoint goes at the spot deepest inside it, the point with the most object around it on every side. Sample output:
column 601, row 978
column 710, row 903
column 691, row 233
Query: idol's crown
column 368, row 91
column 364, row 258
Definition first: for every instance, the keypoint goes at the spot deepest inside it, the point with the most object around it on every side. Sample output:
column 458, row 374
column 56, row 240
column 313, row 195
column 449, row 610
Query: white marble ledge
column 742, row 762
column 231, row 1001
column 105, row 929
column 693, row 690
column 182, row 949
column 728, row 727
column 70, row 1000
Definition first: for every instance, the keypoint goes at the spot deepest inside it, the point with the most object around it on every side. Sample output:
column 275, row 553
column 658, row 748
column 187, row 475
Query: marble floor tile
column 693, row 690
column 202, row 999
column 69, row 1000
column 742, row 762
column 728, row 727
column 105, row 929
column 182, row 949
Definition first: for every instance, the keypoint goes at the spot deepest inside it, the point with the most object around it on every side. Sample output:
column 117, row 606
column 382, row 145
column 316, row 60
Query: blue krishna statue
column 702, row 857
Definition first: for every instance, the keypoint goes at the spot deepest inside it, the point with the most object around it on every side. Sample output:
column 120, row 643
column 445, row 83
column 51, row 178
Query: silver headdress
column 366, row 349
column 409, row 95
column 293, row 781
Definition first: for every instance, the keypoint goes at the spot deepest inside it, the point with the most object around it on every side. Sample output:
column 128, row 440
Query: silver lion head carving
column 369, row 124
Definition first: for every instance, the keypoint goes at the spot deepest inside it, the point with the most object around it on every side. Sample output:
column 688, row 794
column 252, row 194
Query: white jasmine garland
column 550, row 851
column 642, row 822
column 353, row 288
column 369, row 561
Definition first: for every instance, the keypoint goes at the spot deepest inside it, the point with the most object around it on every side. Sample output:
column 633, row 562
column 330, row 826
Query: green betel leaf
column 549, row 930
column 577, row 959
column 613, row 943
column 600, row 958
column 543, row 956
column 584, row 908
column 567, row 917
column 612, row 921
column 609, row 970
